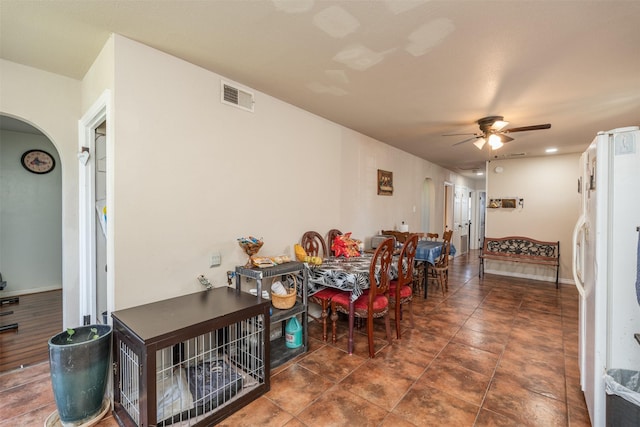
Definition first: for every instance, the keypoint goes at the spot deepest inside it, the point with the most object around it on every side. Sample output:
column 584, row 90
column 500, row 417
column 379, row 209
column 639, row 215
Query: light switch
column 215, row 260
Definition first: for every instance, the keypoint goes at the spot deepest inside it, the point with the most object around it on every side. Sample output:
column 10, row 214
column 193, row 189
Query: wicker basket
column 284, row 302
column 250, row 249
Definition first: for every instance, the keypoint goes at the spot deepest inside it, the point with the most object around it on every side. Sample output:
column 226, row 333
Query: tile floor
column 493, row 352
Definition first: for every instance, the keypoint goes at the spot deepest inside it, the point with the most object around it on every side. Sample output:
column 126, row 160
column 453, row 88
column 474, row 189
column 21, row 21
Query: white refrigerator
column 605, row 262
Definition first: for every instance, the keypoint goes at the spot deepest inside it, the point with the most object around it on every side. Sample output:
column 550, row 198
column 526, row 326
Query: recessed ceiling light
column 551, row 150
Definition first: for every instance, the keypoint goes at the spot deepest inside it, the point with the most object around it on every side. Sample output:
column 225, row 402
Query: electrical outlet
column 215, row 259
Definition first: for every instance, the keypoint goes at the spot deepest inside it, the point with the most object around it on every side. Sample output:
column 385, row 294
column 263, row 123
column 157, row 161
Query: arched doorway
column 31, row 241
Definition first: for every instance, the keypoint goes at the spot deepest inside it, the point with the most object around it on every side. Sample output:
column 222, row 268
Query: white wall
column 192, row 175
column 548, row 186
column 30, row 218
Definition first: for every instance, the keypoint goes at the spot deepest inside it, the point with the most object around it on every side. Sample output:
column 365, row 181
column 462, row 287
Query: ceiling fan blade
column 504, row 138
column 480, row 143
column 458, row 134
column 467, row 140
column 526, row 128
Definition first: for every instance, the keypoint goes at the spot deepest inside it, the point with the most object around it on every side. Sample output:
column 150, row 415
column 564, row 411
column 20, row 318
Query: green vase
column 79, row 366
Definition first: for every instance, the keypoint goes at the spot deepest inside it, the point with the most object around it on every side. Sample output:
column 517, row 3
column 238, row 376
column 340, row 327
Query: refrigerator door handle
column 578, row 254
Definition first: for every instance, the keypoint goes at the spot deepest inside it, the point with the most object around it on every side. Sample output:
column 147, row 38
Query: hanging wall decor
column 385, row 183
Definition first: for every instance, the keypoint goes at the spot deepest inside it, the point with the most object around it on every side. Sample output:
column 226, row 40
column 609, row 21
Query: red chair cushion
column 362, row 302
column 405, row 291
column 327, row 293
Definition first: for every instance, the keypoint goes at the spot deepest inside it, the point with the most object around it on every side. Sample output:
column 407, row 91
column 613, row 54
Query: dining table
column 428, row 252
column 349, row 274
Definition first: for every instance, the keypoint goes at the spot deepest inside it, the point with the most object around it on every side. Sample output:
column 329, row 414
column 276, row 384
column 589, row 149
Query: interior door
column 100, row 171
column 448, row 208
column 482, row 211
column 461, row 219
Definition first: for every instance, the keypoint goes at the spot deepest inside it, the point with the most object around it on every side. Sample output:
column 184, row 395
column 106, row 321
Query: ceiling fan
column 493, row 132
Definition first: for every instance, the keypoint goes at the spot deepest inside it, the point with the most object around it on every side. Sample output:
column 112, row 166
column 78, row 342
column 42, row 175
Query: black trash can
column 623, row 398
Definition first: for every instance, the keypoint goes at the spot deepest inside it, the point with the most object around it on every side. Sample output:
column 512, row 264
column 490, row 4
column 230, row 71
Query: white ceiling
column 404, row 72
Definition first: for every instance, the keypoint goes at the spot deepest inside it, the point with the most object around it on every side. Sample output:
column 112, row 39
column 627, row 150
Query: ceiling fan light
column 480, row 143
column 495, row 142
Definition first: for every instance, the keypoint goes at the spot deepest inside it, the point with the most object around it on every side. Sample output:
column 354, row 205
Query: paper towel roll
column 404, row 227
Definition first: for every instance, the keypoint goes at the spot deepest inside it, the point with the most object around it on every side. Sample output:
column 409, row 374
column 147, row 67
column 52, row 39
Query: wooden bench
column 520, row 249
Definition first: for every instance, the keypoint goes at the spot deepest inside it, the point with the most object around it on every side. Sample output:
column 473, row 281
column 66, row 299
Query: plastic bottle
column 293, row 333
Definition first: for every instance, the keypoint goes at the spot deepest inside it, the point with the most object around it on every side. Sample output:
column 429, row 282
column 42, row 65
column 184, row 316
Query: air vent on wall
column 237, row 97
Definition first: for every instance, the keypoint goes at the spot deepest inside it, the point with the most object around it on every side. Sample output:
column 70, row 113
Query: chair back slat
column 313, row 244
column 406, row 261
column 379, row 283
column 443, row 259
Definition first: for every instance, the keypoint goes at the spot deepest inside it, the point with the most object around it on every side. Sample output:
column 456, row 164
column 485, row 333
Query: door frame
column 449, row 194
column 98, row 113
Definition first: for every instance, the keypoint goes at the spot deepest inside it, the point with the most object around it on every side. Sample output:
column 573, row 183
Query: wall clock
column 38, row 161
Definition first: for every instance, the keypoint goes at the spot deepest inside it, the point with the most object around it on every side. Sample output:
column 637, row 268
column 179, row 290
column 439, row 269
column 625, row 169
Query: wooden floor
column 39, row 317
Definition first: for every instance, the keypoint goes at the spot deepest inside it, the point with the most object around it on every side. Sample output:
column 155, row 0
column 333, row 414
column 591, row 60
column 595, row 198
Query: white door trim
column 97, row 113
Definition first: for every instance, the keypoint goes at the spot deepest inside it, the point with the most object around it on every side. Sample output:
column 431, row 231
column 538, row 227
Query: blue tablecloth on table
column 429, row 251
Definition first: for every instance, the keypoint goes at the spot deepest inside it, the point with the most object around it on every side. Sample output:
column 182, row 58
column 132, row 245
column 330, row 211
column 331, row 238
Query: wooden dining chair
column 314, row 245
column 401, row 289
column 441, row 268
column 374, row 302
column 331, row 236
column 432, row 236
column 446, row 236
column 401, row 236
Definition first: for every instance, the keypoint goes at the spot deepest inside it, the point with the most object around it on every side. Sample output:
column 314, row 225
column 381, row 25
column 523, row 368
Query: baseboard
column 530, row 276
column 16, row 293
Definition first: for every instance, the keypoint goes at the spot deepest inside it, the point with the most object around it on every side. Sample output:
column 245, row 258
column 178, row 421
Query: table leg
column 425, row 279
column 351, row 321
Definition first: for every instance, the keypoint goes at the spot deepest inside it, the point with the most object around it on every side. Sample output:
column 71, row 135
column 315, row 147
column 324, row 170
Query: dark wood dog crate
column 191, row 360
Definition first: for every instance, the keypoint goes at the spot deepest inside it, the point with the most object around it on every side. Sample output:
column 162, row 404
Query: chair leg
column 388, row 326
column 372, row 350
column 324, row 315
column 398, row 318
column 410, row 307
column 334, row 319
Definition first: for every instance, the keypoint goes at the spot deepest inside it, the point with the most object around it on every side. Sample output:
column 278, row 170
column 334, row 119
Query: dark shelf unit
column 181, row 340
column 280, row 353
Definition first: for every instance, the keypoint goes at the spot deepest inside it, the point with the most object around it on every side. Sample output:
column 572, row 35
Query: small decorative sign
column 495, row 203
column 385, row 183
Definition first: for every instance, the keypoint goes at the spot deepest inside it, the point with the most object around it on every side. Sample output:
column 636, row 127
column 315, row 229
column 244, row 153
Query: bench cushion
column 520, row 249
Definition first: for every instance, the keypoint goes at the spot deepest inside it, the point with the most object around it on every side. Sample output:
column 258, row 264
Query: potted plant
column 79, row 361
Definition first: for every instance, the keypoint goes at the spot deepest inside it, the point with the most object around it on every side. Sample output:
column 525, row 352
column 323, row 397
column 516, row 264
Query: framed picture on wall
column 509, row 203
column 385, row 183
column 495, row 203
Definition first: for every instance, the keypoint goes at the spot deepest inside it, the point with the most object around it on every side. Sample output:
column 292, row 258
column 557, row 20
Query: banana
column 301, row 254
